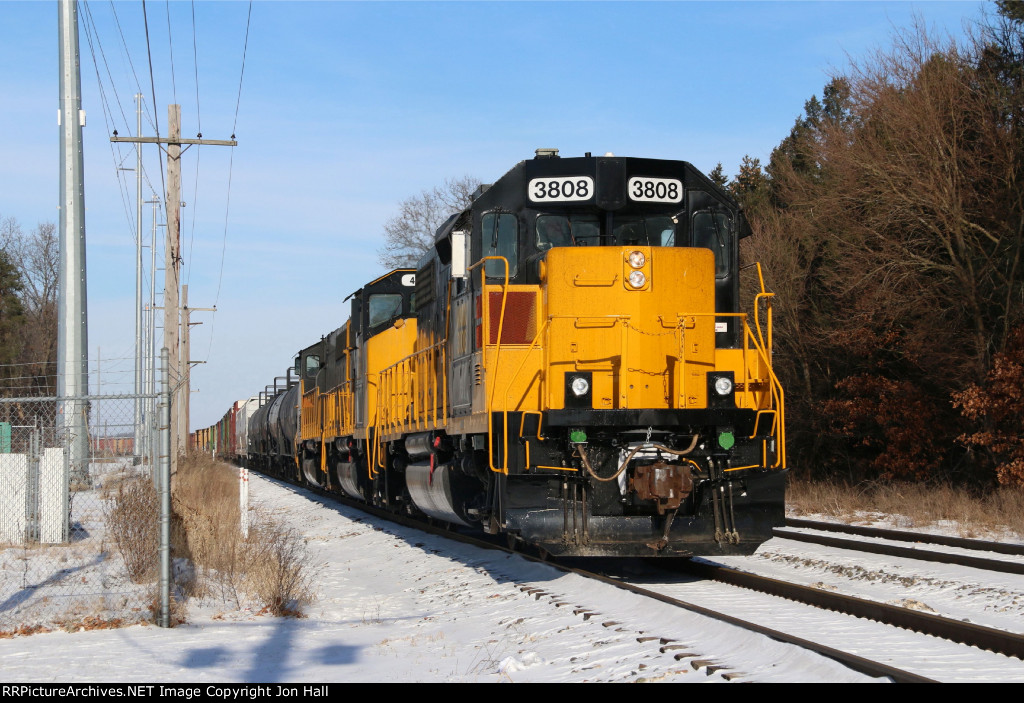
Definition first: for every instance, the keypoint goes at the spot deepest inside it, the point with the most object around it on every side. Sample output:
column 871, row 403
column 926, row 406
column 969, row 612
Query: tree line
column 890, row 225
column 889, row 222
column 29, row 263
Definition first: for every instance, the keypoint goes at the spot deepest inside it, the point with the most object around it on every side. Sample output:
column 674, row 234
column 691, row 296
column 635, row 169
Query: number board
column 561, row 189
column 655, row 190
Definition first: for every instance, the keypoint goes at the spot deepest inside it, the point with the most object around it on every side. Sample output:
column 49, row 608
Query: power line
column 152, row 85
column 170, row 48
column 195, row 191
column 91, row 33
column 245, row 50
column 195, row 63
column 127, row 53
column 231, row 165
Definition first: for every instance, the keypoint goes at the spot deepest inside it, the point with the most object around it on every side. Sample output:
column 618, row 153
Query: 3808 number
column 571, row 188
column 660, row 190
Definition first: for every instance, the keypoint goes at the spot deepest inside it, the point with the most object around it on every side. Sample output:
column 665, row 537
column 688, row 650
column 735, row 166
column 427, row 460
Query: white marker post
column 243, row 500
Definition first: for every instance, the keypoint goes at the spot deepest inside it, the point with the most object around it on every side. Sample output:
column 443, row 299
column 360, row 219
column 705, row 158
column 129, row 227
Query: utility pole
column 72, row 355
column 172, row 269
column 186, row 348
column 172, row 257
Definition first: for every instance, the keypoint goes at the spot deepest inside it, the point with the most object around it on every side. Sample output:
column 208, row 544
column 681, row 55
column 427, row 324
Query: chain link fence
column 79, row 512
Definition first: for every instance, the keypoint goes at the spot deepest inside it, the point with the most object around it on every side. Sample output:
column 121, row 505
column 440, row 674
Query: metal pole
column 136, row 448
column 72, row 353
column 151, row 340
column 186, row 373
column 165, row 492
column 99, row 391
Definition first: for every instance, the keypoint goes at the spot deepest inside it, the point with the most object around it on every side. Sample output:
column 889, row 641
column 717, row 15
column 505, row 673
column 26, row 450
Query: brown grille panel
column 520, row 324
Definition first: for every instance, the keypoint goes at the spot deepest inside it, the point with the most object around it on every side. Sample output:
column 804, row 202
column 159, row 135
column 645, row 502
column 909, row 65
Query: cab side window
column 312, row 365
column 713, row 230
column 500, row 238
column 384, row 307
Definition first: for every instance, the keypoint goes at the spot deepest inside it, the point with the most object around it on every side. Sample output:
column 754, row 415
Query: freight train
column 568, row 365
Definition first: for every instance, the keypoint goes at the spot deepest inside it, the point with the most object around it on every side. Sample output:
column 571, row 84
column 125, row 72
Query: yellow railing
column 752, row 345
column 485, row 337
column 505, row 409
column 311, row 419
column 413, row 393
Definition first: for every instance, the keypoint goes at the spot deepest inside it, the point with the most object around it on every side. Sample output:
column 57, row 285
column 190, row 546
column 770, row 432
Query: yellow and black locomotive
column 568, row 365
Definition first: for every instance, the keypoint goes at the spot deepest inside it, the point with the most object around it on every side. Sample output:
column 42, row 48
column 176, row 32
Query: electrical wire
column 93, row 40
column 170, row 49
column 227, row 207
column 245, row 50
column 199, row 120
column 128, row 55
column 152, row 86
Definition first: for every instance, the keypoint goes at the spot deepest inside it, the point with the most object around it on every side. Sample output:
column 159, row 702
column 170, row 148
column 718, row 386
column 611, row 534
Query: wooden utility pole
column 172, row 273
column 186, row 355
column 172, row 259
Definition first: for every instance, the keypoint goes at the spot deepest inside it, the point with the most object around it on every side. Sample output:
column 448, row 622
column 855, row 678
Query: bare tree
column 410, row 233
column 36, row 256
column 893, row 235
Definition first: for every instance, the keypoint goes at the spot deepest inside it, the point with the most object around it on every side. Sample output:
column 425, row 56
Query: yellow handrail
column 485, row 339
column 508, row 388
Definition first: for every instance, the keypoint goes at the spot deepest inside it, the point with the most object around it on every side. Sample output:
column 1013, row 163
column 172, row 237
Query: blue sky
column 347, row 108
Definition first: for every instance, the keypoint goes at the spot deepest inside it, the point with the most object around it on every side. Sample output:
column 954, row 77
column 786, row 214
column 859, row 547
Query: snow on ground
column 395, row 604
column 47, row 584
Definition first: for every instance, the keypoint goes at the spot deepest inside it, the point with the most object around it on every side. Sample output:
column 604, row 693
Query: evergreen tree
column 1011, row 9
column 718, row 176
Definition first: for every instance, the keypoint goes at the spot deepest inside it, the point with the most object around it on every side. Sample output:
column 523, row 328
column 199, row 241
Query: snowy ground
column 398, row 605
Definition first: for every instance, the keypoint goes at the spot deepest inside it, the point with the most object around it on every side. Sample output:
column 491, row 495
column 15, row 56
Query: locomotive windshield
column 562, row 231
column 567, row 231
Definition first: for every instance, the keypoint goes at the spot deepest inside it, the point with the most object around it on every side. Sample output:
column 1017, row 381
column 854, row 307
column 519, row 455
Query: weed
column 270, row 566
column 279, row 572
column 131, row 518
column 912, row 505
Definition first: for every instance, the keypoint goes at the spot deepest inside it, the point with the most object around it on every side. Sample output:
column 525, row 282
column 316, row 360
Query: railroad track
column 978, row 562
column 986, row 638
column 855, row 662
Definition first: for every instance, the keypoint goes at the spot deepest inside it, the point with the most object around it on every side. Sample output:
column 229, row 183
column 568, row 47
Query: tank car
column 568, row 365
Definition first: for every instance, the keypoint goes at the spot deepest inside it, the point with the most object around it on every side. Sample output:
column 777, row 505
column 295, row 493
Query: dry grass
column 912, row 505
column 279, row 570
column 205, row 501
column 270, row 567
column 132, row 522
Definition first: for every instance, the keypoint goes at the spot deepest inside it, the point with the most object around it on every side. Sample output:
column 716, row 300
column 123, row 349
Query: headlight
column 723, row 386
column 637, row 279
column 580, row 386
column 637, row 259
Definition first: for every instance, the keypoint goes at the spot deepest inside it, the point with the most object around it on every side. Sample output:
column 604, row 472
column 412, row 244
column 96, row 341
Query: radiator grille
column 520, row 324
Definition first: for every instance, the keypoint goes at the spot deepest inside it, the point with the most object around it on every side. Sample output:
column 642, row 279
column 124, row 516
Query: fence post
column 165, row 492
